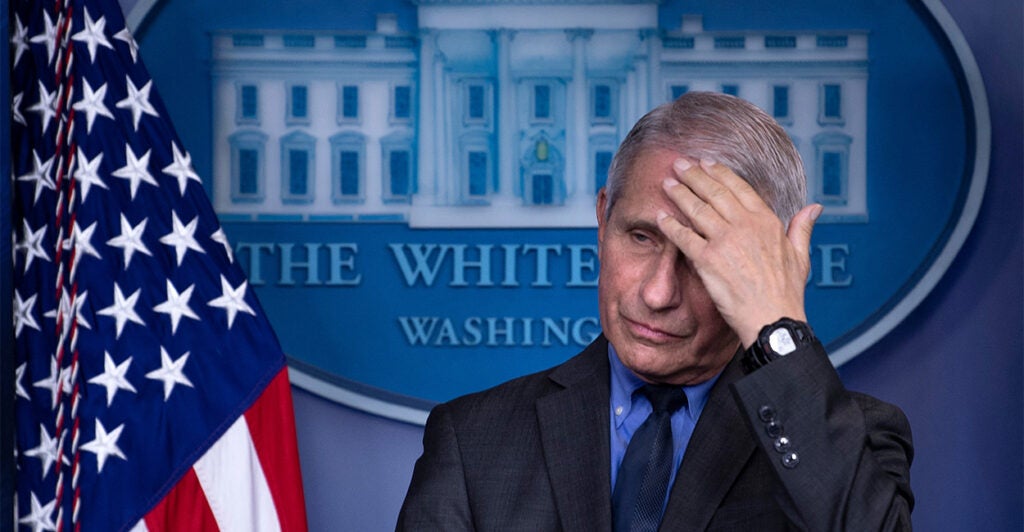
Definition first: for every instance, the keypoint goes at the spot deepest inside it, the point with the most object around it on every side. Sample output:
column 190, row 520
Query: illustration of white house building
column 490, row 115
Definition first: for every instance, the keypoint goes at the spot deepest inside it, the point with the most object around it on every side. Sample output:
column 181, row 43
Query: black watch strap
column 776, row 341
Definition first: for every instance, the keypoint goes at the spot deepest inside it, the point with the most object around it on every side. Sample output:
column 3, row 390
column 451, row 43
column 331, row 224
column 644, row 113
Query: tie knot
column 664, row 398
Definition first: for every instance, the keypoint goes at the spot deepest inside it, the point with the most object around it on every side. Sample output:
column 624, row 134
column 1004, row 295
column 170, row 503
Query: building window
column 348, row 103
column 542, row 102
column 299, row 41
column 731, row 89
column 832, row 41
column 399, row 183
column 247, row 162
column 830, row 107
column 543, row 189
column 680, row 43
column 248, row 109
column 832, row 161
column 297, row 163
column 478, row 169
column 780, row 41
column 298, row 104
column 348, row 167
column 604, row 96
column 399, row 171
column 248, row 171
column 602, row 163
column 678, row 90
column 780, row 103
column 401, row 104
column 476, row 102
column 730, row 42
column 350, row 41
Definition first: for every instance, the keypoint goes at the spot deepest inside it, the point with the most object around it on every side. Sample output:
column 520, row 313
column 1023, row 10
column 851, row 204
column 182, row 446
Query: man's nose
column 662, row 288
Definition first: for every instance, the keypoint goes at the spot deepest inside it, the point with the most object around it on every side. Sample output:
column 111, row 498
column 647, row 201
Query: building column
column 576, row 178
column 426, row 151
column 506, row 126
column 655, row 92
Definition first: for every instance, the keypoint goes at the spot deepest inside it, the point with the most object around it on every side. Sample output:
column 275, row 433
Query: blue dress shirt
column 629, row 411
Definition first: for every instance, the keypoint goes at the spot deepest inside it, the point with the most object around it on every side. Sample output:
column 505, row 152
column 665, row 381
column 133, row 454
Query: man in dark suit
column 701, row 295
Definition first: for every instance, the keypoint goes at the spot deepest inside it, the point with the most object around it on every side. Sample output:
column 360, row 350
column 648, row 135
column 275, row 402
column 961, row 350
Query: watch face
column 781, row 341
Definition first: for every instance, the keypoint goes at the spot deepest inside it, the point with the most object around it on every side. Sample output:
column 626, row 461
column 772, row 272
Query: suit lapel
column 717, row 452
column 577, row 455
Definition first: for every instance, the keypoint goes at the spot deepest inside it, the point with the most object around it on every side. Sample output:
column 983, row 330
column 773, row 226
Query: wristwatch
column 776, row 341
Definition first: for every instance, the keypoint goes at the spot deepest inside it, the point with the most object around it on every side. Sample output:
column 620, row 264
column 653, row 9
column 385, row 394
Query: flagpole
column 7, row 396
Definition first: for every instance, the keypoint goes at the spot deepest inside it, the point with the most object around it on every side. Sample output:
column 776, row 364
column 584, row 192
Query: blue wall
column 954, row 365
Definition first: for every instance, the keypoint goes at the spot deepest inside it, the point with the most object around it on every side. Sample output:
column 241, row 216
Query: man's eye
column 640, row 238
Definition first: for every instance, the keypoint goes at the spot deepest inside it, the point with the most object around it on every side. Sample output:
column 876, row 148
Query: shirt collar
column 624, row 382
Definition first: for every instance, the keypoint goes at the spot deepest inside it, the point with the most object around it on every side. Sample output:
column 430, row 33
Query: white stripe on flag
column 236, row 490
column 140, row 526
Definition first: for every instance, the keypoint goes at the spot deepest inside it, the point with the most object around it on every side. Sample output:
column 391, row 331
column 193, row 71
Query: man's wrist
column 775, row 341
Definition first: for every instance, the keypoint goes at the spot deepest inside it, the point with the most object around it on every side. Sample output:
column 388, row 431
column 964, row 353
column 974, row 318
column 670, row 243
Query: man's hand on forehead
column 753, row 269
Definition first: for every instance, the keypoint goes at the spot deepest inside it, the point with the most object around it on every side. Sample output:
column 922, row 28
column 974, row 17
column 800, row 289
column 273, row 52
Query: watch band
column 775, row 341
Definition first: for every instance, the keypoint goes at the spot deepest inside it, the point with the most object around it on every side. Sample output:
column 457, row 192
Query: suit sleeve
column 437, row 497
column 843, row 458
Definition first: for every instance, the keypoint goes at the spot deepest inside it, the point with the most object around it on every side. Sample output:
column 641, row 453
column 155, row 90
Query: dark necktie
column 639, row 495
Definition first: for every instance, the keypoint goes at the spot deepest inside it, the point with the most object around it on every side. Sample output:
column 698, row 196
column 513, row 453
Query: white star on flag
column 221, row 238
column 232, row 300
column 81, row 240
column 92, row 35
column 48, row 37
column 125, row 35
column 176, row 305
column 53, row 382
column 113, row 378
column 87, row 173
column 171, row 372
column 19, row 39
column 65, row 310
column 104, row 444
column 19, row 389
column 46, row 106
column 130, row 240
column 123, row 309
column 182, row 237
column 31, row 243
column 16, row 109
column 46, row 451
column 23, row 313
column 135, row 169
column 137, row 101
column 92, row 104
column 181, row 168
column 41, row 517
column 40, row 174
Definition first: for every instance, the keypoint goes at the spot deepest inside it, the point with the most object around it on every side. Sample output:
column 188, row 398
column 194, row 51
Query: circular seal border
column 414, row 411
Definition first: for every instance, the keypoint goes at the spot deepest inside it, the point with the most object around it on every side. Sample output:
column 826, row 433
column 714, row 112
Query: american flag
column 151, row 390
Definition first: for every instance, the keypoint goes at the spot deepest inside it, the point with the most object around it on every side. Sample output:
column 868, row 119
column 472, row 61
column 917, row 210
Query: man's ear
column 602, row 220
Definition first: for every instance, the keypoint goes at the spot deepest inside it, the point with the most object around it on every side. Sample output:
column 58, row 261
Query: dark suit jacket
column 533, row 454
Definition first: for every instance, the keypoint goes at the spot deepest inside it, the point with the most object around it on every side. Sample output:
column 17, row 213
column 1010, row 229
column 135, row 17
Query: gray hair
column 726, row 129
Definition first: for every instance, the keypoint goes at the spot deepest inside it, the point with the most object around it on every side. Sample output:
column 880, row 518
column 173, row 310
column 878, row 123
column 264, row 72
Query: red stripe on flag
column 184, row 508
column 271, row 421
